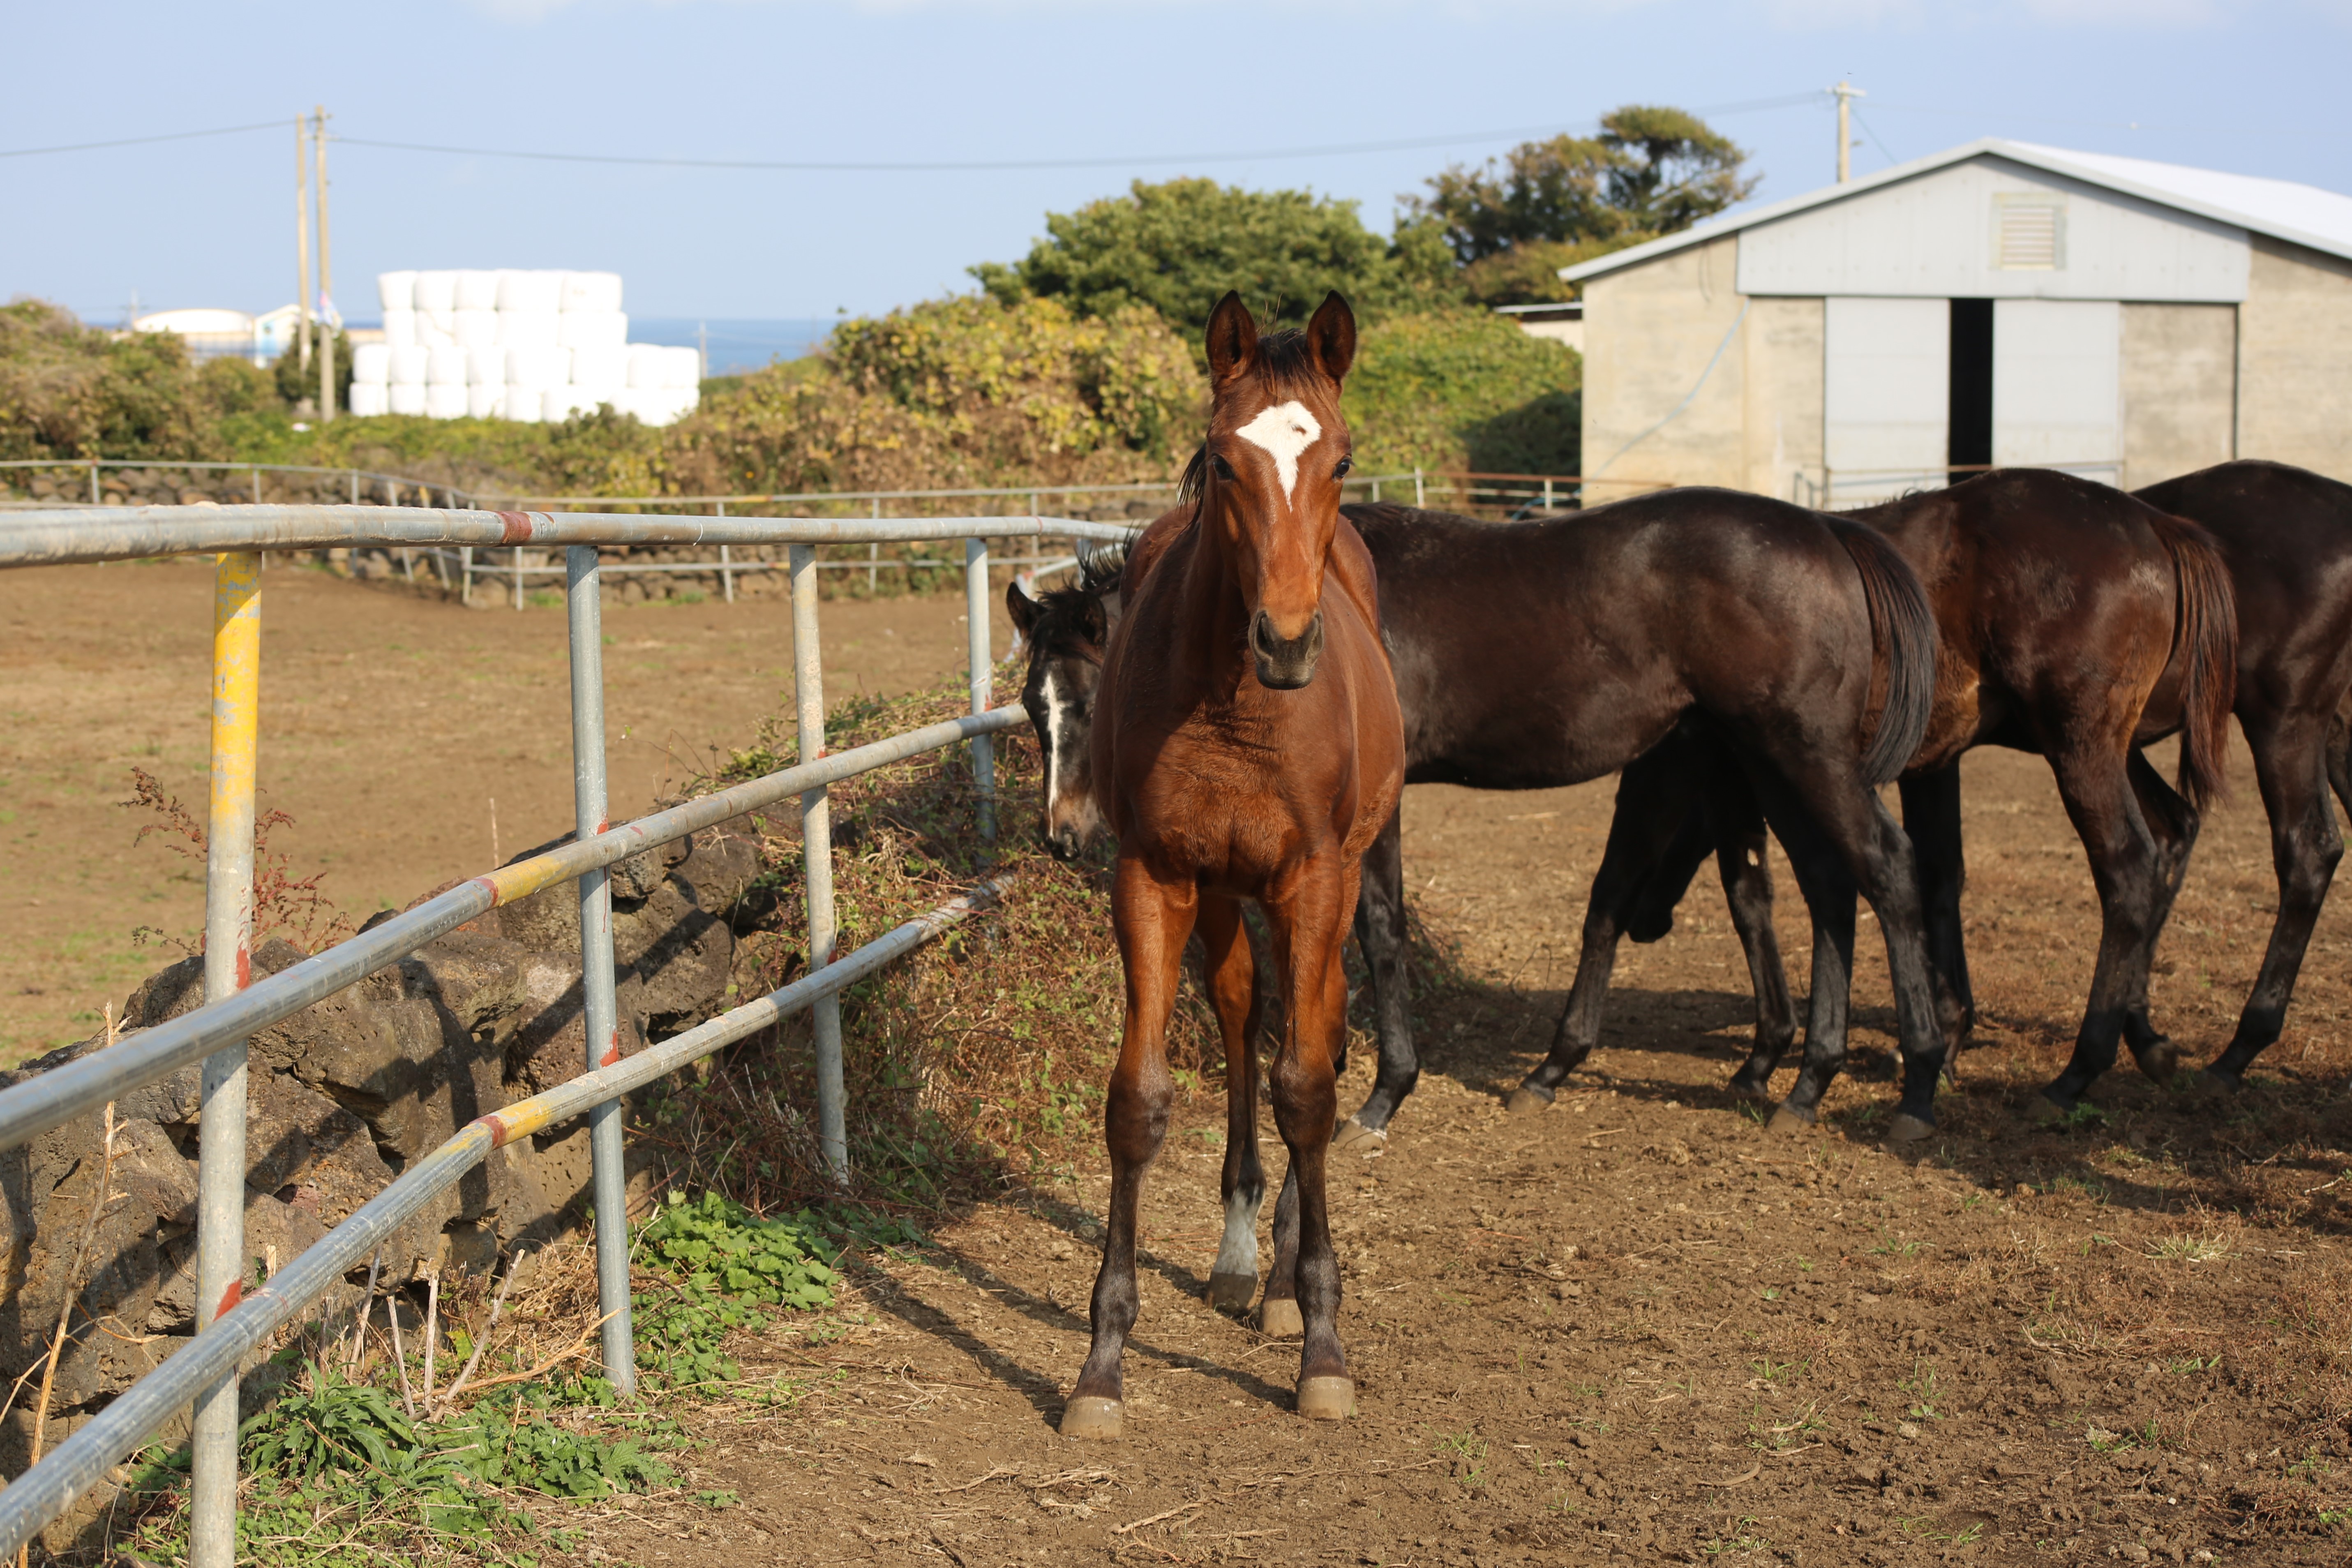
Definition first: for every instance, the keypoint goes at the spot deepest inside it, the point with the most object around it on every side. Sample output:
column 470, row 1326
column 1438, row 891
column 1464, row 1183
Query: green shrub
column 1463, row 389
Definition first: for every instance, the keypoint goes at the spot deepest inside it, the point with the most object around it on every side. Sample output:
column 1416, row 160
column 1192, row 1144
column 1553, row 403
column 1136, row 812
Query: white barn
column 2000, row 302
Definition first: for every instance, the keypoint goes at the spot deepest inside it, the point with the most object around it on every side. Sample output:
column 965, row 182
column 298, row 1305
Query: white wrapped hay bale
column 400, row 329
column 371, row 365
column 594, row 330
column 561, row 403
column 684, row 369
column 524, row 404
column 396, row 290
column 529, row 329
column 369, row 398
column 484, row 402
column 444, row 401
column 406, row 365
column 475, row 290
column 436, row 330
column 538, row 368
column 521, row 288
column 436, row 292
column 606, row 366
column 475, row 328
column 648, row 366
column 596, row 291
column 485, row 367
column 406, row 398
column 445, row 367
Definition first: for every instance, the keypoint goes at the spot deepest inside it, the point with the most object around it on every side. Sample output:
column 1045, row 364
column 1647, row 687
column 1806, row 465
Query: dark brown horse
column 2287, row 534
column 1245, row 746
column 2077, row 623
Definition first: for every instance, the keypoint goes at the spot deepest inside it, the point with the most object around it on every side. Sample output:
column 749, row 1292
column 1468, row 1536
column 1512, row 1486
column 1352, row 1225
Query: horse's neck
column 1212, row 619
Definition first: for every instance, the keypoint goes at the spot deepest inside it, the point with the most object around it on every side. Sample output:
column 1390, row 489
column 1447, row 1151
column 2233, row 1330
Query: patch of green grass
column 728, row 1268
column 1743, row 1542
column 1775, row 1372
column 1466, row 1457
column 1924, row 1388
column 1888, row 1245
column 2188, row 1366
column 2191, row 1249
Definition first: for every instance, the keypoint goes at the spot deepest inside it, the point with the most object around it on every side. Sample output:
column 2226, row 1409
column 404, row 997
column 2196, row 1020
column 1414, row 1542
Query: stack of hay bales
column 515, row 345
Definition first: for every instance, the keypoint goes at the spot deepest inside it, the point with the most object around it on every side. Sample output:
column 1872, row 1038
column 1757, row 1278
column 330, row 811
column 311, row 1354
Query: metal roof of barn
column 2302, row 215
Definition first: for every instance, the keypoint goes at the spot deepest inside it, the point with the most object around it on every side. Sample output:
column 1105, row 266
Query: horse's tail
column 2205, row 646
column 1901, row 623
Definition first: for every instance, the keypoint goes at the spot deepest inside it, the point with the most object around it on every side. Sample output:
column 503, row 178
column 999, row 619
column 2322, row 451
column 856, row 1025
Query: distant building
column 2000, row 302
column 209, row 333
column 1562, row 322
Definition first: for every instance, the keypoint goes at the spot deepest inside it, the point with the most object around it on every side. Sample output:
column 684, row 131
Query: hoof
column 1908, row 1131
column 1790, row 1119
column 1745, row 1088
column 2044, row 1111
column 2220, row 1081
column 1365, row 1141
column 2158, row 1061
column 1326, row 1398
column 1278, row 1319
column 1232, row 1292
column 1527, row 1098
column 1094, row 1417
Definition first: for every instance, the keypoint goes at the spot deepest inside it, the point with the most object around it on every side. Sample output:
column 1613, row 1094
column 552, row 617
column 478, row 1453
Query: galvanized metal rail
column 231, row 1323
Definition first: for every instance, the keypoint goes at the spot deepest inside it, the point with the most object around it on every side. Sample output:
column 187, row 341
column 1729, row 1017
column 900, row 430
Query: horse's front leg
column 1152, row 917
column 1310, row 925
column 1232, row 992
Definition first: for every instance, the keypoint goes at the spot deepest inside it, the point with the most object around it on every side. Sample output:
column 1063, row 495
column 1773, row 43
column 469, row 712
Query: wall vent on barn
column 2028, row 232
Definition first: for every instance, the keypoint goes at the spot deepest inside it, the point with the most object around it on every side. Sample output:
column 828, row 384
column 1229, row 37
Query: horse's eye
column 1224, row 469
column 1341, row 472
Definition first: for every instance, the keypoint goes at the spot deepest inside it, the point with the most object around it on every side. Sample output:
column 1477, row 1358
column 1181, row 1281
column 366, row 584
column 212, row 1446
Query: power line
column 1331, row 149
column 815, row 166
column 142, row 141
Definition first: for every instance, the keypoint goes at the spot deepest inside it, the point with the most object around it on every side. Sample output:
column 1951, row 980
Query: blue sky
column 2253, row 87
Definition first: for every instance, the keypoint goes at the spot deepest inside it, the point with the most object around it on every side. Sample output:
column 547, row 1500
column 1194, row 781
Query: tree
column 1651, row 170
column 1177, row 247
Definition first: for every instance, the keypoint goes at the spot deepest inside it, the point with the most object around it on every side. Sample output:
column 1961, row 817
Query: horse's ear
column 1331, row 336
column 1232, row 339
column 1023, row 609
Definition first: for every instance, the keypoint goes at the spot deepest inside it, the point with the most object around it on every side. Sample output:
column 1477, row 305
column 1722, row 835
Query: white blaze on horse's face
column 1283, row 432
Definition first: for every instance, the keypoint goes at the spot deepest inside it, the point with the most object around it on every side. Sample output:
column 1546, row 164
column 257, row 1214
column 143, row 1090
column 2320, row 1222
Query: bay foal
column 1246, row 745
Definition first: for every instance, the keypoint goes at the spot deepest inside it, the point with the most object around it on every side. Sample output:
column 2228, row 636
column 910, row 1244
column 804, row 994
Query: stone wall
column 343, row 1096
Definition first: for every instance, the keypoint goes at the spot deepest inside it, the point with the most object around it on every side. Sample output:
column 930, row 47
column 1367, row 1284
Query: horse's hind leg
column 1152, row 920
column 1380, row 931
column 1931, row 818
column 2293, row 765
column 2172, row 824
column 1310, row 924
column 1655, row 793
column 1737, row 828
column 1233, row 994
column 1822, row 793
column 2096, row 789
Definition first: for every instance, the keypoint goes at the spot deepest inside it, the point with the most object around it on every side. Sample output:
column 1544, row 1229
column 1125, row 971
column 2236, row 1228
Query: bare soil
column 1630, row 1329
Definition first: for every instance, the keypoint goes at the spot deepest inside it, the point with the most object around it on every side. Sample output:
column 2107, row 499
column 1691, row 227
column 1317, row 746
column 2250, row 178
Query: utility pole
column 702, row 344
column 326, row 278
column 303, row 241
column 1846, row 92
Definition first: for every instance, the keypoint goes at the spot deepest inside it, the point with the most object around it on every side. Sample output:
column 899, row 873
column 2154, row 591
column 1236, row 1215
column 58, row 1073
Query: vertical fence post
column 465, row 575
column 817, row 863
column 94, row 497
column 228, row 960
column 1420, row 493
column 355, row 487
column 257, row 484
column 1547, row 495
column 983, row 668
column 518, row 576
column 583, row 593
column 726, row 561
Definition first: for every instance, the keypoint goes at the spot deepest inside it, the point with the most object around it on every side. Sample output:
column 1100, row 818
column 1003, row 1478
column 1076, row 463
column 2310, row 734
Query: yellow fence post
column 221, row 1263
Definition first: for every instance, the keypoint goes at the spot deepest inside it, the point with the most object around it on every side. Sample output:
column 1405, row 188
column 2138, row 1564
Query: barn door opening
column 1970, row 443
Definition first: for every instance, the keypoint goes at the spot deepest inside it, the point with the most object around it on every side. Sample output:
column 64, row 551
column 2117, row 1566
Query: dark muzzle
column 1286, row 666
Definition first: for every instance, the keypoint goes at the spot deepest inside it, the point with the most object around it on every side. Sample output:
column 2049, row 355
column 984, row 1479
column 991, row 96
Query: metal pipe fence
column 234, row 1321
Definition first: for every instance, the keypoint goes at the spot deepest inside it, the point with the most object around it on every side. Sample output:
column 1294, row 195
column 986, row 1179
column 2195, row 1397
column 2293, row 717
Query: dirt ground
column 1630, row 1329
column 1633, row 1329
column 391, row 724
